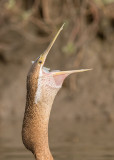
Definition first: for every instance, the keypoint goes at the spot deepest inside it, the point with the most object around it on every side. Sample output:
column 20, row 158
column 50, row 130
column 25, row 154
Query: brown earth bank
column 85, row 96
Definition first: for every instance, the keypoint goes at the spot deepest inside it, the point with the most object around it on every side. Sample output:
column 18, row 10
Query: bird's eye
column 40, row 61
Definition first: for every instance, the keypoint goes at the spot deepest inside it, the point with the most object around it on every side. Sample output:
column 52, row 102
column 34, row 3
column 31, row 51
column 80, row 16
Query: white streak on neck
column 38, row 91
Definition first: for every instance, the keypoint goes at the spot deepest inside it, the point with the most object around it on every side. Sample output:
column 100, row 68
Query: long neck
column 39, row 130
column 35, row 125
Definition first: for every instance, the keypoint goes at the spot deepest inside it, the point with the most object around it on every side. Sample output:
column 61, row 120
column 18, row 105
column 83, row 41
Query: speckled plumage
column 36, row 117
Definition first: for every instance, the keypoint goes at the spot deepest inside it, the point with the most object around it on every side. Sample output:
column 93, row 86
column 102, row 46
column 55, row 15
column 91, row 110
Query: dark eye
column 40, row 61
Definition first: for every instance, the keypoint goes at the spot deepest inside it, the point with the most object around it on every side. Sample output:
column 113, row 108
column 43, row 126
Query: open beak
column 58, row 73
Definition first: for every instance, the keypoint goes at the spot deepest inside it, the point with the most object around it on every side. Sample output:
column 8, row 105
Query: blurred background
column 82, row 118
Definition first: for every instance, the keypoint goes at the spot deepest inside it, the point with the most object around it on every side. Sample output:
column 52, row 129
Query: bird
column 42, row 87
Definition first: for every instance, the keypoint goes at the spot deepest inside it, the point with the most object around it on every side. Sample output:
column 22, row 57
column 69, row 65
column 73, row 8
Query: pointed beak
column 69, row 72
column 58, row 75
column 44, row 55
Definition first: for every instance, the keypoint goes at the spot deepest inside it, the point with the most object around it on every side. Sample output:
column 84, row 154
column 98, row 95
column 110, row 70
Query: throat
column 47, row 87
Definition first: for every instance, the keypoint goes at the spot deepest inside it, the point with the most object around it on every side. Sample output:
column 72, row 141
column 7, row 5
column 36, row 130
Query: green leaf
column 10, row 4
column 69, row 48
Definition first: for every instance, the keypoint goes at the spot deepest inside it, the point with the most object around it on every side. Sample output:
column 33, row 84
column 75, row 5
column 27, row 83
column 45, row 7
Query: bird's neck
column 42, row 151
column 35, row 124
